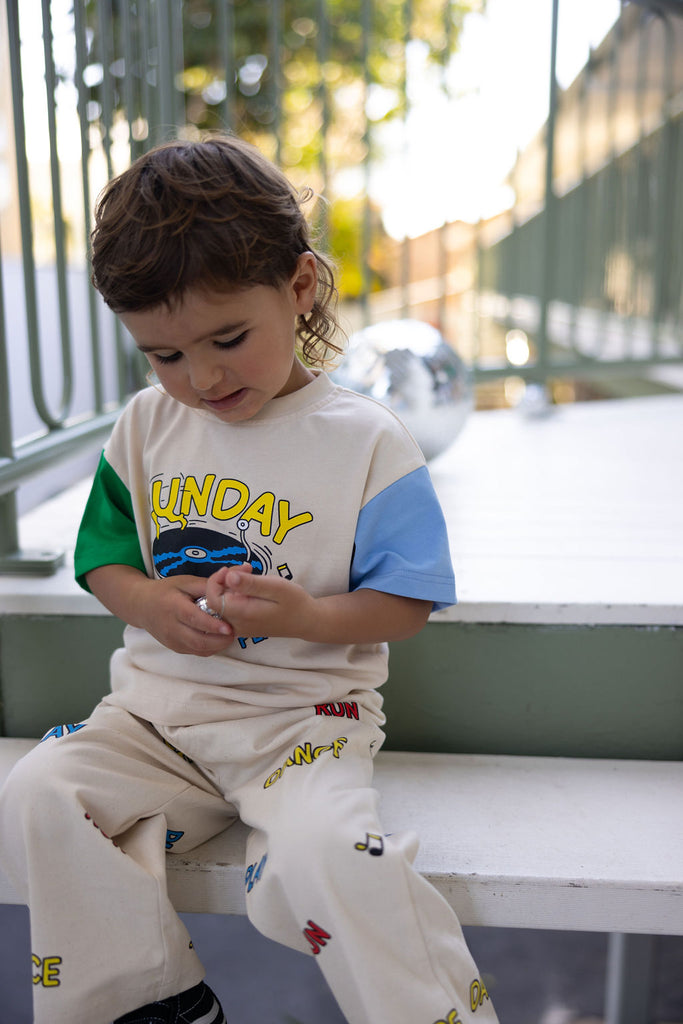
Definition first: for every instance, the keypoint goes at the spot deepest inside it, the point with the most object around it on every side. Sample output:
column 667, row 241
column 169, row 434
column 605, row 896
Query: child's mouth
column 227, row 402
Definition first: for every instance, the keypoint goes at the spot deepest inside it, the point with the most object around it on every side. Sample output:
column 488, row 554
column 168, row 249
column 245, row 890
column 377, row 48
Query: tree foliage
column 305, row 80
column 301, row 49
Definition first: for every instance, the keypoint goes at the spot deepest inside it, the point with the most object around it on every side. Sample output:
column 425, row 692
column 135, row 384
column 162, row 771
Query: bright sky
column 30, row 23
column 454, row 154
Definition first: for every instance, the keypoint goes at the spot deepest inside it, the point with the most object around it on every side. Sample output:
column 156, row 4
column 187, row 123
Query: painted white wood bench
column 530, row 842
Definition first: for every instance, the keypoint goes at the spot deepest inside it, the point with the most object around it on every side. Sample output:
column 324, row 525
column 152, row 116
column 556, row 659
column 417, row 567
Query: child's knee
column 21, row 783
column 323, row 850
column 29, row 790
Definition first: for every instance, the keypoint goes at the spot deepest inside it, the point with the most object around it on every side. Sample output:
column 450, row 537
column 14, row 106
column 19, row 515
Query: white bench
column 530, row 842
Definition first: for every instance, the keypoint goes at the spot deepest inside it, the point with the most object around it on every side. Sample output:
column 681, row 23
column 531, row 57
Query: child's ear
column 305, row 282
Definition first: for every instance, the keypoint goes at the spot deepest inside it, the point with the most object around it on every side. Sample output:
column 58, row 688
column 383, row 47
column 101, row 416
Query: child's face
column 228, row 352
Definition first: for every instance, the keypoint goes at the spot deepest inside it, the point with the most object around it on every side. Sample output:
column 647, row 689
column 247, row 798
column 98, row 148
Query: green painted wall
column 579, row 691
column 53, row 669
column 604, row 691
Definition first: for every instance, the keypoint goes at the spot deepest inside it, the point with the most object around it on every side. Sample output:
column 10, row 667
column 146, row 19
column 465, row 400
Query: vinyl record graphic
column 198, row 551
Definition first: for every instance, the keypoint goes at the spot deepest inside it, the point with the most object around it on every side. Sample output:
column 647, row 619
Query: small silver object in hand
column 202, row 603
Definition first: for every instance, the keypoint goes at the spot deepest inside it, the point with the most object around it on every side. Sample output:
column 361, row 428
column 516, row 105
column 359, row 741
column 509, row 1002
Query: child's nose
column 205, row 374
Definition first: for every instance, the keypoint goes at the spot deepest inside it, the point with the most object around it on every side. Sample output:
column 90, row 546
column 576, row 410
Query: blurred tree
column 305, row 80
column 302, row 49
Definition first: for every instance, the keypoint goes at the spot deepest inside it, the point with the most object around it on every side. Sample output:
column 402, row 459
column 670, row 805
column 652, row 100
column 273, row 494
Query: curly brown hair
column 214, row 214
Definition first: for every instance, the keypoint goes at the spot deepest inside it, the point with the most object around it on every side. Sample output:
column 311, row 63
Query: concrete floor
column 533, row 977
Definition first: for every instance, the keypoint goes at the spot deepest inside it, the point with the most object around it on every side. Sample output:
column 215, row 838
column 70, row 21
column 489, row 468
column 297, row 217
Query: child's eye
column 167, row 359
column 234, row 342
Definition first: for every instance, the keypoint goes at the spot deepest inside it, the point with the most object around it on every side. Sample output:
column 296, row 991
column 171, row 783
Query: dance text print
column 306, row 753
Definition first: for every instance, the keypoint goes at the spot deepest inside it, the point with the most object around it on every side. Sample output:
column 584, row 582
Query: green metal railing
column 63, row 437
column 596, row 275
column 588, row 262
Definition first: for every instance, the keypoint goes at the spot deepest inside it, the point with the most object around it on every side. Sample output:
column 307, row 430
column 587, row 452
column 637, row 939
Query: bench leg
column 629, row 979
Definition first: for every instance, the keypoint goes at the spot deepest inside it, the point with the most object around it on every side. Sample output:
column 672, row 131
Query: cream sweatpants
column 89, row 816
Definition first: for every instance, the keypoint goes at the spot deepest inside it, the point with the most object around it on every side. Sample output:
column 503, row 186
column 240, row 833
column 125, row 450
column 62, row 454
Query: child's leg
column 323, row 878
column 85, row 822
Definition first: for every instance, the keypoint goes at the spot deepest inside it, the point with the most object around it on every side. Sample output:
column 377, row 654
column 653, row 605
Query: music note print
column 374, row 844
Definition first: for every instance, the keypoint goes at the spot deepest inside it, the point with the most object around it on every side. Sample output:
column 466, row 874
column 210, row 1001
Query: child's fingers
column 208, row 618
column 218, row 578
column 213, row 596
column 194, row 586
column 268, row 588
column 220, row 575
column 236, row 573
column 206, row 644
column 217, row 583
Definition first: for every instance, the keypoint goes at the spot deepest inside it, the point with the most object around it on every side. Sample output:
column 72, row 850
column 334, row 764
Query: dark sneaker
column 196, row 1006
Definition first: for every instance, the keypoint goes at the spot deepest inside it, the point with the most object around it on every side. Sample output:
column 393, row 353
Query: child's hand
column 260, row 605
column 165, row 608
column 272, row 606
column 170, row 614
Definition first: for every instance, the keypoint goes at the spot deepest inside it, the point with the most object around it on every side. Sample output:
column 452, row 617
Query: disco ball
column 409, row 367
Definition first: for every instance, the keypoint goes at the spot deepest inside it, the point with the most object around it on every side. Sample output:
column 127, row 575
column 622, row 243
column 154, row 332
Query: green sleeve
column 107, row 534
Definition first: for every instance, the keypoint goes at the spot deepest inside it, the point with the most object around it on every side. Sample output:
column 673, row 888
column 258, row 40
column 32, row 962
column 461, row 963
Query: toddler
column 263, row 533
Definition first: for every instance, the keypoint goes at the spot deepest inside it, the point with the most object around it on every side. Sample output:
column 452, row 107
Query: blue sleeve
column 401, row 543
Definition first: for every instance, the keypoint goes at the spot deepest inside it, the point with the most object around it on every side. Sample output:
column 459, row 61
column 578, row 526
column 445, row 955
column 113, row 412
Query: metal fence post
column 629, row 979
column 547, row 263
column 9, row 535
column 12, row 559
